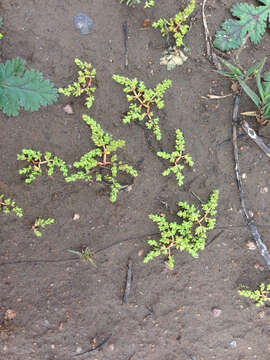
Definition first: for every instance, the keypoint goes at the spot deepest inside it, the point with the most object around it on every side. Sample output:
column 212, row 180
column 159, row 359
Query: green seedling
column 142, row 101
column 102, row 163
column 41, row 224
column 1, row 23
column 84, row 83
column 148, row 3
column 261, row 295
column 20, row 88
column 251, row 21
column 36, row 162
column 262, row 100
column 7, row 206
column 188, row 235
column 176, row 26
column 177, row 158
column 85, row 255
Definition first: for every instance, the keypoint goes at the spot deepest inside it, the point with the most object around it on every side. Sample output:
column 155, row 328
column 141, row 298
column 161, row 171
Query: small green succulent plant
column 84, row 83
column 142, row 101
column 189, row 234
column 261, row 295
column 41, row 224
column 7, row 206
column 101, row 163
column 37, row 161
column 148, row 3
column 177, row 158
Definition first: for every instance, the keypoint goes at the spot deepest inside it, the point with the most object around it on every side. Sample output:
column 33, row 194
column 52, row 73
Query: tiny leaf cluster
column 41, row 224
column 7, row 206
column 142, row 100
column 84, row 83
column 85, row 255
column 176, row 25
column 175, row 157
column 148, row 3
column 37, row 161
column 251, row 21
column 188, row 235
column 23, row 89
column 101, row 162
column 261, row 295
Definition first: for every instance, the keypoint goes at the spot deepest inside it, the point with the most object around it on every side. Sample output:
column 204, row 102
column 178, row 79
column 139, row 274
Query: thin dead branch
column 212, row 56
column 95, row 348
column 251, row 225
column 256, row 138
column 128, row 283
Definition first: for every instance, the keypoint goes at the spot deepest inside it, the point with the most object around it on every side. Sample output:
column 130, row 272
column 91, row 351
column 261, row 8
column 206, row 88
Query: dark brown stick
column 256, row 138
column 252, row 227
column 125, row 31
column 95, row 348
column 128, row 282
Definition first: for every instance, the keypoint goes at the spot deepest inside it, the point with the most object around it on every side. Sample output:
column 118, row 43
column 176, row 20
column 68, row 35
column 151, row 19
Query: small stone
column 68, row 109
column 250, row 245
column 216, row 312
column 111, row 347
column 10, row 315
column 251, row 213
column 84, row 23
column 261, row 314
column 78, row 350
column 140, row 252
column 233, row 344
column 264, row 190
column 146, row 23
column 244, row 176
column 76, row 217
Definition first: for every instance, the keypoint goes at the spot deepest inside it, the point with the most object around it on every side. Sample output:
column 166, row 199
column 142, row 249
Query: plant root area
column 65, row 306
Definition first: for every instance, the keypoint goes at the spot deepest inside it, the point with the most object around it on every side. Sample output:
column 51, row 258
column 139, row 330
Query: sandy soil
column 64, row 306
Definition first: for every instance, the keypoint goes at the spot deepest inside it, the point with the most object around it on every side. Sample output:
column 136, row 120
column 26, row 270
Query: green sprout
column 175, row 157
column 84, row 84
column 36, row 161
column 1, row 23
column 101, row 162
column 141, row 101
column 41, row 224
column 188, row 235
column 262, row 100
column 148, row 3
column 176, row 25
column 85, row 255
column 261, row 295
column 7, row 206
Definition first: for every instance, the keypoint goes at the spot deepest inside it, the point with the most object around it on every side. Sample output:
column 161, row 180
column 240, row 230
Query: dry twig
column 128, row 282
column 252, row 227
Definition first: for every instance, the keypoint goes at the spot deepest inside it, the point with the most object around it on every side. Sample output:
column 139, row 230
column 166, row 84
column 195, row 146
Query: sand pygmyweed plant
column 85, row 255
column 102, row 163
column 148, row 3
column 175, row 157
column 189, row 234
column 37, row 161
column 7, row 206
column 84, row 83
column 261, row 295
column 41, row 224
column 142, row 101
column 176, row 26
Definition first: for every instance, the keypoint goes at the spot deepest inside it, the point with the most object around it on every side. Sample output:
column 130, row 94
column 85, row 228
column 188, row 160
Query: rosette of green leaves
column 148, row 3
column 41, row 224
column 37, row 161
column 175, row 157
column 189, row 235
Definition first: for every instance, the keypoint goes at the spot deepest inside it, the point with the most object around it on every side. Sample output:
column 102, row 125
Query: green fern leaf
column 23, row 89
column 251, row 21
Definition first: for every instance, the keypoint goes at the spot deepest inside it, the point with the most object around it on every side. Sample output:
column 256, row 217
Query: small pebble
column 146, row 23
column 264, row 190
column 78, row 350
column 140, row 252
column 76, row 217
column 216, row 312
column 84, row 23
column 233, row 344
column 261, row 314
column 244, row 176
column 10, row 314
column 250, row 245
column 68, row 109
column 111, row 347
